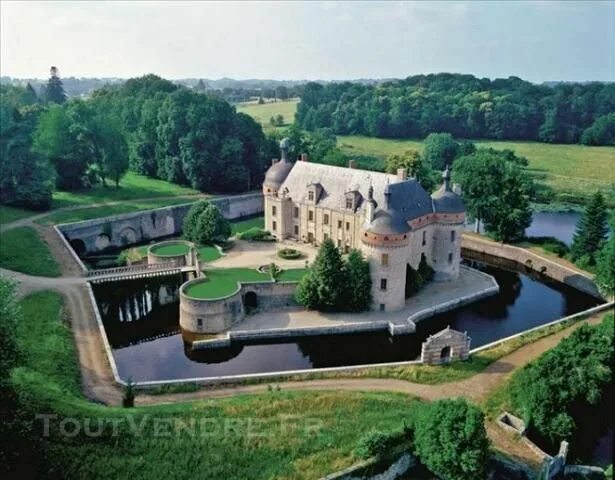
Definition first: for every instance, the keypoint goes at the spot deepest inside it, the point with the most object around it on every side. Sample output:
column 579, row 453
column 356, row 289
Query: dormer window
column 311, row 195
column 349, row 203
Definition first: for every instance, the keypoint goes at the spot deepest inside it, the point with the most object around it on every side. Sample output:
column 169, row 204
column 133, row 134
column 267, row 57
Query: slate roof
column 447, row 201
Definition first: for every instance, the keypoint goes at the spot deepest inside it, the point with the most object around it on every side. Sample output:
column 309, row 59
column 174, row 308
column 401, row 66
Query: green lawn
column 281, row 435
column 292, row 274
column 209, row 253
column 243, row 225
column 11, row 214
column 572, row 171
column 263, row 113
column 224, row 282
column 171, row 249
column 23, row 250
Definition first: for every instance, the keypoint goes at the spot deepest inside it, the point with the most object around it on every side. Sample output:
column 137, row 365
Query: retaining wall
column 119, row 231
column 501, row 254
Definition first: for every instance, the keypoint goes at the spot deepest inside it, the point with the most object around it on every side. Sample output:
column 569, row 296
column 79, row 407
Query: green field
column 292, row 274
column 170, row 249
column 223, row 282
column 263, row 113
column 299, row 435
column 243, row 225
column 23, row 250
column 572, row 171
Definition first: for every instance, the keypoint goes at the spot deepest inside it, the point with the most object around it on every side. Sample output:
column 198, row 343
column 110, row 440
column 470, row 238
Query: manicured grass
column 209, row 253
column 132, row 186
column 243, row 225
column 11, row 214
column 263, row 113
column 224, row 282
column 107, row 210
column 292, row 274
column 171, row 249
column 23, row 250
column 278, row 434
column 572, row 171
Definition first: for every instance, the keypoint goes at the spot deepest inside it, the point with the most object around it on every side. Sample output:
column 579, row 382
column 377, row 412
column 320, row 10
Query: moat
column 141, row 320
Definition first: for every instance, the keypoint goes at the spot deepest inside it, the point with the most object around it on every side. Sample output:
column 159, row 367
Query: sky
column 537, row 41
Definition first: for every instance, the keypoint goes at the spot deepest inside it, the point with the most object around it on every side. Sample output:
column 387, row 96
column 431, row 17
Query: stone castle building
column 390, row 218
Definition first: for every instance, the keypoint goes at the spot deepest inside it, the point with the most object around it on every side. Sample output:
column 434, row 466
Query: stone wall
column 118, row 231
column 218, row 315
column 500, row 254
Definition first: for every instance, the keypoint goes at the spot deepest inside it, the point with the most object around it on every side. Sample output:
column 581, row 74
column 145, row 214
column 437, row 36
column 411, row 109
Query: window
column 296, row 212
column 424, row 238
column 347, row 226
column 325, row 219
column 385, row 260
column 452, row 235
column 311, row 215
column 296, row 229
column 339, row 224
column 349, row 203
column 450, row 258
column 326, row 236
column 199, row 322
column 383, row 284
column 274, row 210
column 311, row 195
column 346, row 248
column 382, row 307
column 310, row 237
column 274, row 226
column 339, row 244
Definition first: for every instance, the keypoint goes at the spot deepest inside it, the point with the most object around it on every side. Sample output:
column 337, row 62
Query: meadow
column 573, row 171
column 22, row 249
column 262, row 113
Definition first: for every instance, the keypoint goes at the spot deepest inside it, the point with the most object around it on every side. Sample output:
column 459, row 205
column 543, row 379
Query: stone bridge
column 113, row 233
column 136, row 271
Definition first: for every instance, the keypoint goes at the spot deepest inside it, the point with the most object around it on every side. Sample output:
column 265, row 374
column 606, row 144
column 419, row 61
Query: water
column 560, row 225
column 141, row 320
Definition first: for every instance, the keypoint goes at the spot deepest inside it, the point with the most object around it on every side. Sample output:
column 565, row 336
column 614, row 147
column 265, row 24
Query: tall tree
column 605, row 264
column 54, row 91
column 415, row 165
column 440, row 149
column 322, row 288
column 496, row 190
column 591, row 231
column 204, row 224
column 358, row 282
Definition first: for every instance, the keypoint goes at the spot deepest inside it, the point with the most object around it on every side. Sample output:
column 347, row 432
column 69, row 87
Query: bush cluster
column 256, row 234
column 289, row 254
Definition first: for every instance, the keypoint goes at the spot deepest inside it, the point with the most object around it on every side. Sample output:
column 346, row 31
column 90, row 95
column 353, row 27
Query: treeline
column 466, row 107
column 150, row 125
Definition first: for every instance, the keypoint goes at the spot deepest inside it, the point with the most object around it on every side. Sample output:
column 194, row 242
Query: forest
column 465, row 106
column 148, row 125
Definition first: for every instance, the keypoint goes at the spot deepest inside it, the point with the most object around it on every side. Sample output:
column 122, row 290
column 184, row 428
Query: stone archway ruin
column 445, row 346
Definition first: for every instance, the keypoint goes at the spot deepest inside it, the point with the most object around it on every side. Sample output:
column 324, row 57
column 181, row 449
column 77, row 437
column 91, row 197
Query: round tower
column 384, row 242
column 278, row 171
column 450, row 218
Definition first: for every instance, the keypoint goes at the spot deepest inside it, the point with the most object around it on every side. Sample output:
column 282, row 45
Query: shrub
column 256, row 234
column 289, row 254
column 204, row 224
column 377, row 443
column 128, row 400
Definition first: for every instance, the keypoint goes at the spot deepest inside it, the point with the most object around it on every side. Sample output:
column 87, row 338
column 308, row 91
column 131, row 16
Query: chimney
column 352, row 164
column 274, row 161
column 402, row 174
column 304, row 157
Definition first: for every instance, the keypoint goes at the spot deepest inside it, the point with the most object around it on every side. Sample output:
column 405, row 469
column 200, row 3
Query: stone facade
column 390, row 218
column 445, row 346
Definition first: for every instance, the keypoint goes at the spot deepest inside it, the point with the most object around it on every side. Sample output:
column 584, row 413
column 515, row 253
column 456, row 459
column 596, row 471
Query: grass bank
column 574, row 172
column 23, row 250
column 281, row 435
column 262, row 113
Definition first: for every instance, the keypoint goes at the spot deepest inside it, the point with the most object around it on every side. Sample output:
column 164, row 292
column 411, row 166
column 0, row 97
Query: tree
column 261, row 100
column 54, row 91
column 358, row 282
column 112, row 148
column 416, row 167
column 602, row 131
column 605, row 266
column 591, row 231
column 272, row 121
column 322, row 287
column 496, row 190
column 204, row 224
column 440, row 149
column 451, row 440
column 279, row 120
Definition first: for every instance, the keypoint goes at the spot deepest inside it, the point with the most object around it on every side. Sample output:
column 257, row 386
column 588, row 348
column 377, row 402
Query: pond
column 141, row 320
column 560, row 225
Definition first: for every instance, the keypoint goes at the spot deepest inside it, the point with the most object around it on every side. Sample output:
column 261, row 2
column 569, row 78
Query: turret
column 277, row 173
column 370, row 205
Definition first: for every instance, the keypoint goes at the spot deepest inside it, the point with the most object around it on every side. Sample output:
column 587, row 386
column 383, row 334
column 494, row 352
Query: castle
column 390, row 218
